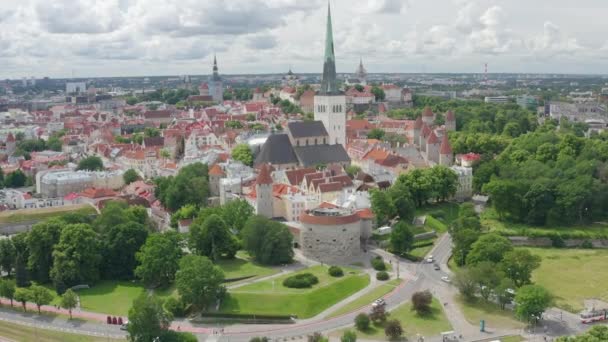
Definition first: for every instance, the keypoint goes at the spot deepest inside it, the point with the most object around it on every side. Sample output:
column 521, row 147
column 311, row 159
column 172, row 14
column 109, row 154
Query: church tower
column 216, row 89
column 330, row 102
column 263, row 193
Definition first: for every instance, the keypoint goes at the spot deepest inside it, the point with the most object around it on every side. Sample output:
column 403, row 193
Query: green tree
column 159, row 258
column 401, row 239
column 466, row 284
column 20, row 270
column 597, row 333
column 77, row 256
column 40, row 296
column 504, row 292
column 402, row 201
column 421, row 302
column 532, row 301
column 487, row 277
column 199, row 282
column 120, row 244
column 7, row 289
column 7, row 255
column 444, row 182
column 382, row 206
column 92, row 163
column 190, row 186
column 349, row 336
column 362, row 322
column 268, row 242
column 54, row 144
column 130, row 176
column 243, row 153
column 23, row 295
column 352, row 170
column 393, row 329
column 15, row 179
column 148, row 320
column 420, row 184
column 235, row 214
column 519, row 264
column 40, row 243
column 489, row 247
column 378, row 93
column 69, row 300
column 375, row 133
column 463, row 240
column 212, row 238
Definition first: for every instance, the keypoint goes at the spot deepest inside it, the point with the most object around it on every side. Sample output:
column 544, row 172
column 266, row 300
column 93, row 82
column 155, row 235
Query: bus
column 590, row 316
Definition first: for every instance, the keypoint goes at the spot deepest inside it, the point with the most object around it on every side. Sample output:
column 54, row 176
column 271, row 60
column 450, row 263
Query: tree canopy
column 92, row 163
column 199, row 282
column 243, row 153
column 159, row 258
column 189, row 186
column 268, row 242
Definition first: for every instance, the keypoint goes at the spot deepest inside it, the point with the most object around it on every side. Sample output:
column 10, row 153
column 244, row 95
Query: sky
column 97, row 38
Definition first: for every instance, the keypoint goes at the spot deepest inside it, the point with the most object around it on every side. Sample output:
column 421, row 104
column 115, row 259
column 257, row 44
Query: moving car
column 125, row 325
column 436, row 267
column 446, row 279
column 379, row 302
column 430, row 259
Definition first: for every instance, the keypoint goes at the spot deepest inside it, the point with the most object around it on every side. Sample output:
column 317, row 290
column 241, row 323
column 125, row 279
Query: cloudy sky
column 58, row 38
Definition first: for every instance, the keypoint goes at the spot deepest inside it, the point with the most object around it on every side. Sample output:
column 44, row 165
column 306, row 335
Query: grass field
column 442, row 215
column 495, row 317
column 274, row 299
column 412, row 323
column 110, row 297
column 17, row 332
column 511, row 339
column 15, row 216
column 572, row 275
column 242, row 266
column 368, row 298
column 489, row 220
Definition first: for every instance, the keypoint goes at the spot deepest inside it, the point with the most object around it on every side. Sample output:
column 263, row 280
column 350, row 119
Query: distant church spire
column 328, row 82
column 216, row 75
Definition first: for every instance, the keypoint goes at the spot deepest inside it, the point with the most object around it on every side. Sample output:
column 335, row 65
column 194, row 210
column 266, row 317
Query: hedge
column 300, row 281
column 382, row 275
column 335, row 271
column 247, row 316
column 378, row 263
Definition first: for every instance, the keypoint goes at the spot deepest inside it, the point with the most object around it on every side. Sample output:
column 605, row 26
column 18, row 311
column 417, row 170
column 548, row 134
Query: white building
column 465, row 182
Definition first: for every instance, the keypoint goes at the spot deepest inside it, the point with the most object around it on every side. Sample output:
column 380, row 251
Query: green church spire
column 328, row 82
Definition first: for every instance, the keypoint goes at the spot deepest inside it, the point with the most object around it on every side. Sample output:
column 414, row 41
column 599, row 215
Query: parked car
column 436, row 267
column 124, row 326
column 379, row 302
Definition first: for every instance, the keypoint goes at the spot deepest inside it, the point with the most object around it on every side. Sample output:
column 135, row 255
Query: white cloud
column 142, row 37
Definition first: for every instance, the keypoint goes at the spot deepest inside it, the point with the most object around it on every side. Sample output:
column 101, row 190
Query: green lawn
column 495, row 317
column 14, row 216
column 110, row 297
column 275, row 285
column 18, row 332
column 265, row 298
column 489, row 220
column 242, row 266
column 368, row 298
column 427, row 326
column 572, row 275
column 511, row 339
column 443, row 214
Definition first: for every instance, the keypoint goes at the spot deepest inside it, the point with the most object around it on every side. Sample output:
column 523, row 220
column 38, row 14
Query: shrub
column 382, row 275
column 378, row 264
column 362, row 322
column 335, row 271
column 587, row 244
column 175, row 306
column 349, row 336
column 393, row 329
column 300, row 281
column 421, row 302
column 259, row 339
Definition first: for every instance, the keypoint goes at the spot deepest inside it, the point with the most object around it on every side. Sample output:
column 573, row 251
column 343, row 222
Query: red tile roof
column 449, row 116
column 216, row 170
column 264, row 175
column 432, row 138
column 445, row 145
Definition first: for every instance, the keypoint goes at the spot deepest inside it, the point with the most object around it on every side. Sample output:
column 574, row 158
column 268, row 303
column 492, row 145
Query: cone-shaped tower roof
column 329, row 84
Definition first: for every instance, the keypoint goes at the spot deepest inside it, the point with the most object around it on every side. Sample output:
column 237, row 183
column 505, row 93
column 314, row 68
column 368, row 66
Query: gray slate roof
column 303, row 129
column 321, row 154
column 276, row 150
